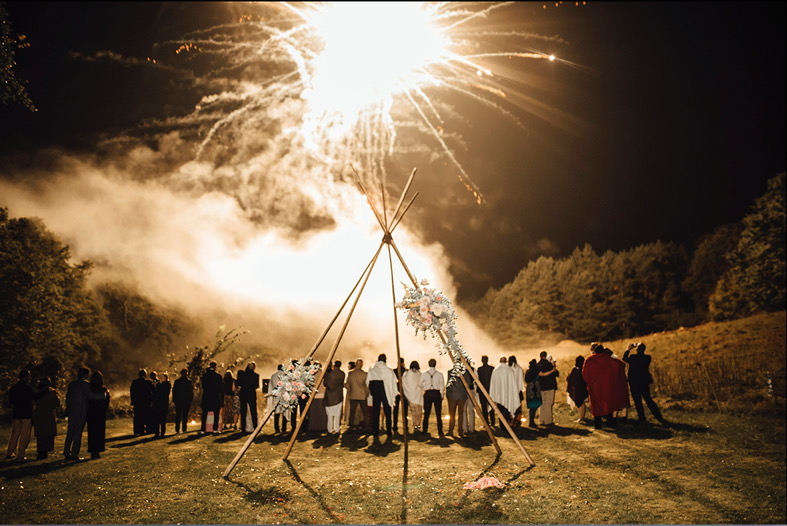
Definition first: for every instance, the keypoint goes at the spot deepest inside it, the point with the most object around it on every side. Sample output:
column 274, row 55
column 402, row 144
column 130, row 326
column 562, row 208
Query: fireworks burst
column 308, row 86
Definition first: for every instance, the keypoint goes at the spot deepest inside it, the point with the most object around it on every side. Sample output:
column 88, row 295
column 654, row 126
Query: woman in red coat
column 605, row 377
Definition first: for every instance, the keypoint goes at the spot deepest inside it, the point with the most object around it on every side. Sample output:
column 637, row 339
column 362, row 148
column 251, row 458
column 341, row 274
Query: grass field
column 705, row 468
column 720, row 461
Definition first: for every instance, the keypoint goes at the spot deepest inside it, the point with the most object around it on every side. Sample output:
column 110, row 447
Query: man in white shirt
column 433, row 384
column 381, row 381
column 503, row 388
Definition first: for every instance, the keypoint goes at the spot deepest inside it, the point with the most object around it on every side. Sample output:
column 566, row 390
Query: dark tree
column 47, row 317
column 755, row 279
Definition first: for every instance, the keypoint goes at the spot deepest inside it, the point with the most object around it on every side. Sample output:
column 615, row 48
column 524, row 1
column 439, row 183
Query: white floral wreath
column 296, row 382
column 429, row 310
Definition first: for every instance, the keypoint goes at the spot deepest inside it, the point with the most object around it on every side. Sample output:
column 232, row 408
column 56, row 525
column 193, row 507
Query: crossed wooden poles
column 388, row 227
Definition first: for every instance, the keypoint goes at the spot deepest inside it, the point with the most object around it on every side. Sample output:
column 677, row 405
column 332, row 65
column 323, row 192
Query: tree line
column 733, row 272
column 51, row 321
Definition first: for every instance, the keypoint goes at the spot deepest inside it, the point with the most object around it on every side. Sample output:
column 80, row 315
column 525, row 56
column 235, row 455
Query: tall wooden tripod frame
column 387, row 241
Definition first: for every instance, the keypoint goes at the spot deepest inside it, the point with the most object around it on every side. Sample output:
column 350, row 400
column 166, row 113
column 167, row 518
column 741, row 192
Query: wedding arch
column 417, row 299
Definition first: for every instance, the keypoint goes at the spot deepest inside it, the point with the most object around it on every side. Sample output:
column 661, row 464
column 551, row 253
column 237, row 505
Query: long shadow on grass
column 139, row 440
column 383, row 449
column 182, row 439
column 315, row 494
column 354, row 441
column 24, row 469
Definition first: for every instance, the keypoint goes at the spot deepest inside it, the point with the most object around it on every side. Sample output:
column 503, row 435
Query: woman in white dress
column 411, row 380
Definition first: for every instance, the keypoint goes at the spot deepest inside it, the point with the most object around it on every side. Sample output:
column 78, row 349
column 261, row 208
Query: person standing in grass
column 640, row 380
column 485, row 377
column 577, row 388
column 212, row 384
column 357, row 392
column 45, row 405
column 381, row 381
column 334, row 396
column 248, row 384
column 20, row 396
column 434, row 390
column 519, row 378
column 228, row 412
column 547, row 380
column 77, row 395
column 532, row 391
column 161, row 405
column 504, row 389
column 97, row 406
column 414, row 394
column 141, row 391
column 182, row 395
column 456, row 394
column 605, row 377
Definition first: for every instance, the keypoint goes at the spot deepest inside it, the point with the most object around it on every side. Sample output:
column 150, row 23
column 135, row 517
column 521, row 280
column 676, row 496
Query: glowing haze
column 245, row 210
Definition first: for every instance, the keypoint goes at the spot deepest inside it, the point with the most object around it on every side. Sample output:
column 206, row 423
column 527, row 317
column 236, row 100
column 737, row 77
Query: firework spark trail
column 278, row 59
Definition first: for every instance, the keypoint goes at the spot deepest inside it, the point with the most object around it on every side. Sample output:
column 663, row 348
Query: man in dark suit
column 639, row 381
column 182, row 395
column 77, row 395
column 142, row 401
column 212, row 386
column 485, row 376
column 248, row 383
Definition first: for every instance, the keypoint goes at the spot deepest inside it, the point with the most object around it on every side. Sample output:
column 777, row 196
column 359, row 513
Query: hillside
column 736, row 364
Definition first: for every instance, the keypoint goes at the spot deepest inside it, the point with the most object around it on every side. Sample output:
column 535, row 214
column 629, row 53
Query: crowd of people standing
column 35, row 410
column 365, row 401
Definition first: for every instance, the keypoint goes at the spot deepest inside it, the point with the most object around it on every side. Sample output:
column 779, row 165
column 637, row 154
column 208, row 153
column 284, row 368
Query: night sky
column 663, row 122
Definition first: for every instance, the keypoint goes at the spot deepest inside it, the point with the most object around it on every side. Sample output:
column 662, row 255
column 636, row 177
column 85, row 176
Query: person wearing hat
column 639, row 378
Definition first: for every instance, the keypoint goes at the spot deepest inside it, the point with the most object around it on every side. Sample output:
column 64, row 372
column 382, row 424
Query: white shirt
column 433, row 379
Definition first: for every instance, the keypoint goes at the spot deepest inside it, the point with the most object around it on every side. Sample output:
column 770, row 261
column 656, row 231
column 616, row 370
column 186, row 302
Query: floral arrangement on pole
column 297, row 382
column 430, row 311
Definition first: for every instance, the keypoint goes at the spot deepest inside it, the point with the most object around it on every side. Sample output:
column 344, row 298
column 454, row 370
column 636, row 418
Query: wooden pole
column 330, row 358
column 246, row 446
column 497, row 412
column 475, row 378
column 401, row 198
column 396, row 222
column 328, row 328
column 480, row 413
column 400, row 374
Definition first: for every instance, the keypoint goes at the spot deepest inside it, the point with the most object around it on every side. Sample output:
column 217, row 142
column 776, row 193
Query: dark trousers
column 181, row 417
column 379, row 401
column 640, row 391
column 505, row 412
column 486, row 409
column 432, row 399
column 248, row 400
column 141, row 416
column 532, row 414
column 396, row 408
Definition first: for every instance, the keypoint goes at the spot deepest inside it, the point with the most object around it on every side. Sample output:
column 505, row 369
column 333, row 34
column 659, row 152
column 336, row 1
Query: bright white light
column 372, row 51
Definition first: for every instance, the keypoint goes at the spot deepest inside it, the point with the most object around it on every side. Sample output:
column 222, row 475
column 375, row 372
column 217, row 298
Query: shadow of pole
column 313, row 492
column 403, row 517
